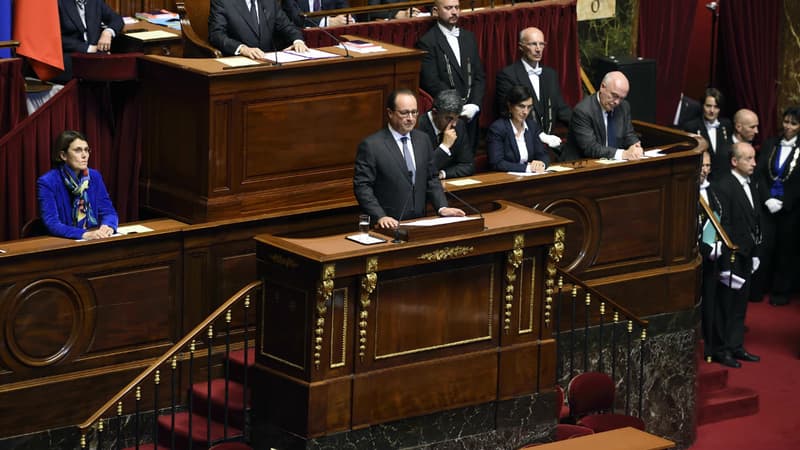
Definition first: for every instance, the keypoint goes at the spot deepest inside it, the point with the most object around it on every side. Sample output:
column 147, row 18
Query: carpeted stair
column 200, row 408
column 716, row 400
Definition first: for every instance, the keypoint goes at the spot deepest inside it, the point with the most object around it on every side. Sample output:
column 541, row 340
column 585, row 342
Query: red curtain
column 665, row 30
column 497, row 32
column 12, row 94
column 749, row 42
column 25, row 155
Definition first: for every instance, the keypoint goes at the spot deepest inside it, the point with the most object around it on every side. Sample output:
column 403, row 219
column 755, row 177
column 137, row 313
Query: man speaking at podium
column 394, row 172
column 249, row 28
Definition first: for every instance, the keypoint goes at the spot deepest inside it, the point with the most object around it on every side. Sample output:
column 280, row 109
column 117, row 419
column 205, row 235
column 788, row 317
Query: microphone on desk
column 327, row 33
column 403, row 211
column 460, row 200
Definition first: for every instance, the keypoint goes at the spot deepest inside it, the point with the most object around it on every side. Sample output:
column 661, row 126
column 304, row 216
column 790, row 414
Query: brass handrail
column 625, row 312
column 717, row 226
column 369, row 8
column 200, row 328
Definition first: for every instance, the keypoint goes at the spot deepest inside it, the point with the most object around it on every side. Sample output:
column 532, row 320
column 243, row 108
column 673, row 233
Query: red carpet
column 775, row 336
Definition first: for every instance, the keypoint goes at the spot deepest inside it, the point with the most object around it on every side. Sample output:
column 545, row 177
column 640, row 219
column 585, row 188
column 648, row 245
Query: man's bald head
column 745, row 124
column 531, row 45
column 613, row 89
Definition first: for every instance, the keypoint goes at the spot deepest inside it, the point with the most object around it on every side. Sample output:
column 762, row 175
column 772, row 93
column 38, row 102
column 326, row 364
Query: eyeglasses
column 410, row 113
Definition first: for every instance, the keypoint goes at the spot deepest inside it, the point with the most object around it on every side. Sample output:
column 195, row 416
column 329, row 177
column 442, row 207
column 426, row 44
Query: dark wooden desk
column 225, row 143
column 80, row 319
column 352, row 335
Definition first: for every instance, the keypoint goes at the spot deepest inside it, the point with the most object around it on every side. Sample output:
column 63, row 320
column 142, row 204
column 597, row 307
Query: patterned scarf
column 82, row 214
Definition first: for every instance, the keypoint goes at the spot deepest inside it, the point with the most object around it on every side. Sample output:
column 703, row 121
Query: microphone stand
column 327, row 33
column 469, row 206
column 397, row 239
column 714, row 8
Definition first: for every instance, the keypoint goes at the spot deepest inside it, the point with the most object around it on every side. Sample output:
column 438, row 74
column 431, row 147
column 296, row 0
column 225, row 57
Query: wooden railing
column 183, row 352
column 583, row 316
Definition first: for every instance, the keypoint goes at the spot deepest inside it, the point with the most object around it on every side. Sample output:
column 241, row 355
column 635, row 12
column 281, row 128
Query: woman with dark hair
column 73, row 201
column 512, row 142
column 779, row 188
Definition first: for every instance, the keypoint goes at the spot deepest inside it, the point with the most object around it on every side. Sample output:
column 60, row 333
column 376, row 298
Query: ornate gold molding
column 283, row 260
column 555, row 254
column 513, row 261
column 368, row 283
column 324, row 294
column 446, row 253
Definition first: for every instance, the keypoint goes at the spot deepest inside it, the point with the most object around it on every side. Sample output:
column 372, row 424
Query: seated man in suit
column 716, row 130
column 250, row 27
column 391, row 13
column 394, row 174
column 295, row 9
column 87, row 26
column 548, row 104
column 453, row 157
column 601, row 124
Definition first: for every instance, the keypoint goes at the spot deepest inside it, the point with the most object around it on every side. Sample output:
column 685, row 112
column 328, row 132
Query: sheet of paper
column 313, row 53
column 128, row 20
column 365, row 239
column 238, row 61
column 133, row 229
column 559, row 169
column 370, row 49
column 522, row 174
column 152, row 35
column 437, row 221
column 284, row 57
column 610, row 161
column 464, row 182
column 653, row 153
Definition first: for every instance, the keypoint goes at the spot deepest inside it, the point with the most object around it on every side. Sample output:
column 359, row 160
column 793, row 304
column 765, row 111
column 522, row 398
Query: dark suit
column 502, row 149
column 461, row 160
column 712, row 310
column 295, row 8
column 99, row 16
column 741, row 222
column 587, row 130
column 690, row 109
column 440, row 71
column 382, row 183
column 721, row 148
column 780, row 254
column 548, row 107
column 230, row 24
column 388, row 14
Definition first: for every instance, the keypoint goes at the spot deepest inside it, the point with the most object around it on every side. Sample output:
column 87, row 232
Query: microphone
column 327, row 33
column 470, row 207
column 403, row 211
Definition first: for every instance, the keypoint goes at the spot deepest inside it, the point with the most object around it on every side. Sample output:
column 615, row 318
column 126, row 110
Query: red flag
column 38, row 31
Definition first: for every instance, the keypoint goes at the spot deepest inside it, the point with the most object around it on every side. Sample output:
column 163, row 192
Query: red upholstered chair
column 562, row 409
column 424, row 101
column 591, row 397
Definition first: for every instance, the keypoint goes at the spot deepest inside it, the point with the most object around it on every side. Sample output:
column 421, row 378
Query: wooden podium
column 224, row 143
column 351, row 336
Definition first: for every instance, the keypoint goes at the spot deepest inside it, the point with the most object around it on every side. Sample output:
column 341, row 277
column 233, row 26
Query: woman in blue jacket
column 73, row 201
column 512, row 142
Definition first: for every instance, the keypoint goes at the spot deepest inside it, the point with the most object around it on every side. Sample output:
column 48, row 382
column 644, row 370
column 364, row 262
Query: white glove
column 774, row 205
column 549, row 140
column 715, row 251
column 736, row 282
column 756, row 264
column 469, row 110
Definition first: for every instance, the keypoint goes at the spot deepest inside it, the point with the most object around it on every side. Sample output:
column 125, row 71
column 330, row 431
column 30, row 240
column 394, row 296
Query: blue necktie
column 409, row 162
column 611, row 132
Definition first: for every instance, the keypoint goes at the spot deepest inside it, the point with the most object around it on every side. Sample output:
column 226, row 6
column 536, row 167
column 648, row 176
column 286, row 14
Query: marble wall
column 789, row 73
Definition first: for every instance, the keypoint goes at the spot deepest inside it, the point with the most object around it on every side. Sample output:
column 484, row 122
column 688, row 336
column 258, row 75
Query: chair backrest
column 590, row 392
column 34, row 227
column 425, row 101
column 194, row 24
